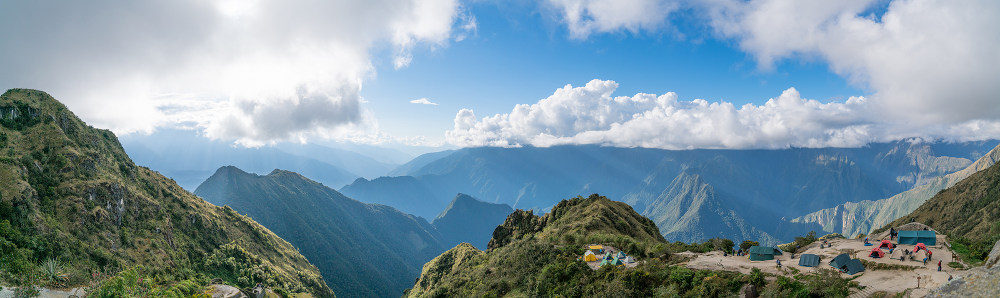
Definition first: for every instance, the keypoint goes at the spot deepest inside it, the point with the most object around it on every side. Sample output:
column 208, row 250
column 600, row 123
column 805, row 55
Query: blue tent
column 914, row 237
column 808, row 260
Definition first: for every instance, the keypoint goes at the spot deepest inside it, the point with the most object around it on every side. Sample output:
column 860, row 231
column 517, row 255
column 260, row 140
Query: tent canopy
column 876, row 253
column 914, row 237
column 763, row 253
column 885, row 244
column 854, row 266
column 921, row 246
column 840, row 260
column 808, row 260
column 620, row 255
column 617, row 262
column 589, row 256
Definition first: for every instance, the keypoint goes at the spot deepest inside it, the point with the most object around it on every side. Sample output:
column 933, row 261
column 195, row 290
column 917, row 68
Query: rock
column 994, row 256
column 226, row 291
column 978, row 282
column 749, row 291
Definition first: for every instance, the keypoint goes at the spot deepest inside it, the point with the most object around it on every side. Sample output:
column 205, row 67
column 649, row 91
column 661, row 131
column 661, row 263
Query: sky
column 450, row 73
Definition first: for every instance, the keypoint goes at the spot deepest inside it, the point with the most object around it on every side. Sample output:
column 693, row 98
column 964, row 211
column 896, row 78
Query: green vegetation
column 800, row 242
column 73, row 206
column 747, row 244
column 531, row 256
column 968, row 212
column 955, row 265
column 885, row 266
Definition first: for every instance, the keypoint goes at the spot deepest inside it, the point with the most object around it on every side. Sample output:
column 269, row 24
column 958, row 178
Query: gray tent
column 763, row 253
column 808, row 260
column 846, row 264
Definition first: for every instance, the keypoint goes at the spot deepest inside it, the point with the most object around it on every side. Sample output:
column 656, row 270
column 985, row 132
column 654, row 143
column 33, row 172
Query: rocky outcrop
column 994, row 258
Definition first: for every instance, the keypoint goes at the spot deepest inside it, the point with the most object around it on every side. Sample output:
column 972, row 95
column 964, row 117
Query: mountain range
column 862, row 217
column 189, row 159
column 692, row 195
column 72, row 199
column 361, row 249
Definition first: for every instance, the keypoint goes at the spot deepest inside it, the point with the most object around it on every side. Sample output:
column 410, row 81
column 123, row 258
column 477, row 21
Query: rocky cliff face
column 864, row 216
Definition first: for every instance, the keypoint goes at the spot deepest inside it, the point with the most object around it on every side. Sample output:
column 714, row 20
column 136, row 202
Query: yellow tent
column 589, row 257
column 597, row 248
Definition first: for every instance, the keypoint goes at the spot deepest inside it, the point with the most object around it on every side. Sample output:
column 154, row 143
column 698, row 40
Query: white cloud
column 928, row 61
column 585, row 17
column 423, row 101
column 934, row 62
column 273, row 70
column 592, row 115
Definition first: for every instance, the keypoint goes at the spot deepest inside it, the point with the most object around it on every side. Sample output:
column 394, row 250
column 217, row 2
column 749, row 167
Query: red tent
column 921, row 246
column 876, row 253
column 885, row 244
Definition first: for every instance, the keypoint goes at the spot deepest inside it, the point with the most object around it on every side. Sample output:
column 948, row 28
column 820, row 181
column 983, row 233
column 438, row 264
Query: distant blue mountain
column 469, row 220
column 691, row 194
column 189, row 159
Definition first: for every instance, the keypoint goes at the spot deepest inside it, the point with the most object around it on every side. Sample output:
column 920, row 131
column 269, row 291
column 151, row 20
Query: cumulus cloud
column 584, row 17
column 423, row 101
column 926, row 61
column 592, row 115
column 268, row 70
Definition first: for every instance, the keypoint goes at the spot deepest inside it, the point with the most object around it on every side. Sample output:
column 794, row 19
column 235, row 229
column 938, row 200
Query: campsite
column 854, row 260
column 598, row 255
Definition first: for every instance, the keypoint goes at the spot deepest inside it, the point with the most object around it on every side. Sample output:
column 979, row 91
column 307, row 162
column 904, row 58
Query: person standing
column 939, row 266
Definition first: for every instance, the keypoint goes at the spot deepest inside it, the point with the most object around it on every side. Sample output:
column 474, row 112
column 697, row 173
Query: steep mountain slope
column 469, row 220
column 968, row 212
column 527, row 249
column 189, row 159
column 852, row 218
column 68, row 192
column 404, row 193
column 361, row 249
column 749, row 193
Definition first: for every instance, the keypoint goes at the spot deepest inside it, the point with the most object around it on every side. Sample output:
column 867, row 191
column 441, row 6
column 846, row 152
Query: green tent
column 763, row 253
column 604, row 262
column 840, row 261
column 808, row 260
column 608, row 257
column 620, row 255
column 617, row 262
column 914, row 237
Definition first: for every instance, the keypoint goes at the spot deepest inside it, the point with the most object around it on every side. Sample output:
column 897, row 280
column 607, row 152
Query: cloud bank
column 266, row 70
column 585, row 17
column 592, row 115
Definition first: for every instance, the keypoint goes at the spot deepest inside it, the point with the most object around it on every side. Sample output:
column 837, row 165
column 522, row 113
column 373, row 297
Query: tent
column 840, row 260
column 617, row 262
column 854, row 266
column 620, row 255
column 885, row 244
column 604, row 262
column 921, row 246
column 589, row 256
column 763, row 253
column 629, row 259
column 876, row 253
column 808, row 260
column 596, row 248
column 846, row 264
column 914, row 237
column 608, row 257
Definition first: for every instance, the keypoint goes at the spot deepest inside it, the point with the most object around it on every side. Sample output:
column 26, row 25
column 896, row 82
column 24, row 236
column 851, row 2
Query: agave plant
column 53, row 270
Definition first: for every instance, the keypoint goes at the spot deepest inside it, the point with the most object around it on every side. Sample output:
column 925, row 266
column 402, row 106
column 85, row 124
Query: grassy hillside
column 535, row 256
column 969, row 213
column 361, row 249
column 71, row 197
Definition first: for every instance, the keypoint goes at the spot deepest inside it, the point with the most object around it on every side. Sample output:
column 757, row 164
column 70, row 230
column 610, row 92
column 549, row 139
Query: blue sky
column 670, row 74
column 521, row 54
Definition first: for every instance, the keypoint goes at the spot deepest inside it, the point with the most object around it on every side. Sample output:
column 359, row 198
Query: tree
column 747, row 244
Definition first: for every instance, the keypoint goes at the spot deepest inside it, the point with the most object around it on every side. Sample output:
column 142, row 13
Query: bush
column 747, row 244
column 128, row 283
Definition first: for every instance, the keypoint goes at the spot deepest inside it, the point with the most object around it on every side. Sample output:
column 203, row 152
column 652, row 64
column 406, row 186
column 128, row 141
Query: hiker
column 925, row 261
column 901, row 258
column 890, row 250
column 779, row 263
column 892, row 233
column 929, row 254
column 939, row 266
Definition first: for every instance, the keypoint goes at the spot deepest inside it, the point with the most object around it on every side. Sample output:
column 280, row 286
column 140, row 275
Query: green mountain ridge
column 68, row 192
column 853, row 218
column 361, row 249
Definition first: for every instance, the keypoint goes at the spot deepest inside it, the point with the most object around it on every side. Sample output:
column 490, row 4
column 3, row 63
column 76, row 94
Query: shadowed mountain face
column 69, row 192
column 362, row 249
column 692, row 195
column 469, row 220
